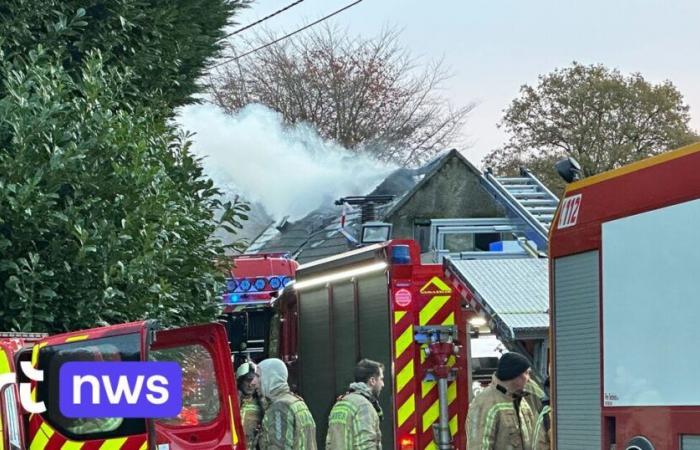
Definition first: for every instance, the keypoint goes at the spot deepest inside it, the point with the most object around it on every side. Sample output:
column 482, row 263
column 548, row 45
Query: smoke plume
column 290, row 170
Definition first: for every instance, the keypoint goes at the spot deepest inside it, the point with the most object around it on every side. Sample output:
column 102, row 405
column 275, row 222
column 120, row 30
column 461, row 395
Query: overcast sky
column 494, row 46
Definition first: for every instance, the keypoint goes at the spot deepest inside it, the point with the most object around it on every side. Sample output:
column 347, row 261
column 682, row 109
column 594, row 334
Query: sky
column 493, row 47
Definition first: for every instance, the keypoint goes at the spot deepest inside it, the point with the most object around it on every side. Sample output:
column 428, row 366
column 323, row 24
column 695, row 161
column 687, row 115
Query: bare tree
column 369, row 95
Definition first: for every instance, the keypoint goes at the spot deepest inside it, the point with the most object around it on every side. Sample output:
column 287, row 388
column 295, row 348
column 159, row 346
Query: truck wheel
column 639, row 443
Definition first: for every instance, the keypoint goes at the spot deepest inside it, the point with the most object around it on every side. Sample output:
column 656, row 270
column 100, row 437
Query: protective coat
column 499, row 420
column 287, row 424
column 354, row 421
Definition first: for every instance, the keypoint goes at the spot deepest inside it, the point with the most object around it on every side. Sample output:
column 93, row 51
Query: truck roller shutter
column 376, row 343
column 577, row 336
column 689, row 442
column 331, row 340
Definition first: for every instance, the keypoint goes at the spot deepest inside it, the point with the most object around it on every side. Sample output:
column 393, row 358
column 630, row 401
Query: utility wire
column 235, row 58
column 233, row 33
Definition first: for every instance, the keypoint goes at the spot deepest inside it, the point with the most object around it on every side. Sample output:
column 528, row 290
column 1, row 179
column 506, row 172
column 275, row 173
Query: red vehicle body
column 251, row 313
column 380, row 302
column 363, row 303
column 625, row 254
column 209, row 418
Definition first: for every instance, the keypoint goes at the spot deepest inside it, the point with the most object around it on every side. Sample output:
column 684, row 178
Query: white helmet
column 245, row 369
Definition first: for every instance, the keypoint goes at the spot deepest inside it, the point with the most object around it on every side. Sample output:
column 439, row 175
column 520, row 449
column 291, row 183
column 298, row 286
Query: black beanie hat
column 511, row 365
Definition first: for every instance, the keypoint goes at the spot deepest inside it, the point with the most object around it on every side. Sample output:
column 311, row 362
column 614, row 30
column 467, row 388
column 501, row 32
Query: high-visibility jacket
column 353, row 423
column 499, row 420
column 287, row 424
column 251, row 418
column 541, row 437
column 536, row 396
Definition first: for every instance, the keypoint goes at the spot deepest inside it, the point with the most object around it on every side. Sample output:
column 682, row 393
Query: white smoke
column 290, row 170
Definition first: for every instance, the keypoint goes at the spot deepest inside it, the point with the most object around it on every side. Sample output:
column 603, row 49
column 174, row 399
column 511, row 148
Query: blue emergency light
column 244, row 285
column 259, row 284
column 275, row 283
column 400, row 254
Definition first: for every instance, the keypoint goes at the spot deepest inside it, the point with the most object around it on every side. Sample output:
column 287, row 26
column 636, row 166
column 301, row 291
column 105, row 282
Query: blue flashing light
column 234, row 298
column 260, row 284
column 286, row 281
column 275, row 283
column 400, row 254
column 244, row 285
column 231, row 285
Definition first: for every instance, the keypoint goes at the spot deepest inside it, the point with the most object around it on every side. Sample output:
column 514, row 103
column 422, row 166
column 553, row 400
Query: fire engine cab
column 625, row 254
column 252, row 322
column 209, row 418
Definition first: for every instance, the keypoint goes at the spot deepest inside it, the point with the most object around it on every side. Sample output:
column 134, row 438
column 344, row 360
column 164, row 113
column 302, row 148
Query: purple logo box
column 120, row 389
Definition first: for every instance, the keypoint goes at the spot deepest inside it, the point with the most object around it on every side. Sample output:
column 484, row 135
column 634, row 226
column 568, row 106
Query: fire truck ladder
column 525, row 197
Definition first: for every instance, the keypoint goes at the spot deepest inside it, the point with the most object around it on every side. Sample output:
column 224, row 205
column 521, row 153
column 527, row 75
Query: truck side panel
column 340, row 323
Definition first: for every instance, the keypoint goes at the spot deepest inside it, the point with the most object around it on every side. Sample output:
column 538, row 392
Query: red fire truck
column 380, row 302
column 377, row 302
column 255, row 327
column 209, row 418
column 625, row 254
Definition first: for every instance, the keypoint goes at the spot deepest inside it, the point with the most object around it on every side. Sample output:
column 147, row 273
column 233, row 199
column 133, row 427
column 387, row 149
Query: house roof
column 319, row 234
column 429, row 170
column 514, row 293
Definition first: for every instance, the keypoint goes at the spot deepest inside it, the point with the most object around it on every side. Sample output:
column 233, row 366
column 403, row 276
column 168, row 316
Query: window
column 51, row 358
column 421, row 234
column 9, row 398
column 200, row 391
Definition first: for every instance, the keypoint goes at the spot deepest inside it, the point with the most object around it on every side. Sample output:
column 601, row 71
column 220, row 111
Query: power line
column 235, row 58
column 233, row 33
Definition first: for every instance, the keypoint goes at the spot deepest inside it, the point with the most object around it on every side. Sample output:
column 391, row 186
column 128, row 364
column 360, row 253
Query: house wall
column 453, row 192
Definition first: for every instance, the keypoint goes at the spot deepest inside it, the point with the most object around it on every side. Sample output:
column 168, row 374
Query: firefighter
column 249, row 402
column 535, row 396
column 498, row 418
column 287, row 423
column 354, row 419
column 541, row 435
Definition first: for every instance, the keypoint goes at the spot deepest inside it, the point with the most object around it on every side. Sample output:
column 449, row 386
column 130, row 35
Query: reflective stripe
column 434, row 305
column 4, row 362
column 404, row 376
column 398, row 315
column 404, row 341
column 343, row 412
column 453, row 425
column 426, row 387
column 450, row 320
column 70, row 445
column 538, row 426
column 430, row 415
column 41, row 439
column 234, row 432
column 491, row 418
column 78, row 338
column 406, row 409
column 113, row 444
